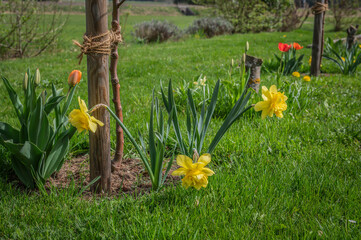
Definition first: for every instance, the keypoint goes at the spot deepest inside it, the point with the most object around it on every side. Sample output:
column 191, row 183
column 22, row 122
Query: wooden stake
column 351, row 36
column 119, row 148
column 98, row 92
column 254, row 65
column 317, row 44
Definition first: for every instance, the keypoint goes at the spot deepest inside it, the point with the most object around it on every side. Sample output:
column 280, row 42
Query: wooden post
column 254, row 65
column 98, row 92
column 317, row 44
column 351, row 36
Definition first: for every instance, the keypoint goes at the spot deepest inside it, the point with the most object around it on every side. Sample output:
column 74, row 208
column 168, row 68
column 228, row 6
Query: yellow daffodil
column 81, row 119
column 274, row 102
column 310, row 60
column 196, row 174
column 284, row 36
column 343, row 59
column 359, row 46
column 296, row 74
column 307, row 78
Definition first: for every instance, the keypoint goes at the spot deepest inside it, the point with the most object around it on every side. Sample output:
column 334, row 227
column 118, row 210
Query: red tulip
column 297, row 46
column 284, row 47
column 74, row 78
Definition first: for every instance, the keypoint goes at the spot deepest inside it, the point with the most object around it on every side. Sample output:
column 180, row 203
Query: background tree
column 255, row 15
column 27, row 27
column 345, row 12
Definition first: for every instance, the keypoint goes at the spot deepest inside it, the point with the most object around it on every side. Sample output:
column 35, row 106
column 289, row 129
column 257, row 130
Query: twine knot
column 100, row 44
column 319, row 8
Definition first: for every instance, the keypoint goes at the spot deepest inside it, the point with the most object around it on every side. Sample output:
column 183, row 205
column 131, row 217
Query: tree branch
column 119, row 4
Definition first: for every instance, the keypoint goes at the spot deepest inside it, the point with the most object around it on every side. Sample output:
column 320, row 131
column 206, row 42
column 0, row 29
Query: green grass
column 296, row 177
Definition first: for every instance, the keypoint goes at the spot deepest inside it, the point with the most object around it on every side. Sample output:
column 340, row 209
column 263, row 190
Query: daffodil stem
column 126, row 131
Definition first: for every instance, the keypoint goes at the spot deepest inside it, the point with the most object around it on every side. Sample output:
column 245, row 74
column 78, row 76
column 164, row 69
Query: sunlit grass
column 296, row 177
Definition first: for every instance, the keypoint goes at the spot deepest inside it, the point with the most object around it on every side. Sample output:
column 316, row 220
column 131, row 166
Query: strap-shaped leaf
column 333, row 60
column 52, row 103
column 23, row 173
column 24, row 156
column 152, row 150
column 189, row 126
column 70, row 133
column 165, row 101
column 142, row 144
column 38, row 128
column 68, row 100
column 7, row 132
column 173, row 115
column 141, row 153
column 158, row 166
column 209, row 115
column 15, row 100
column 55, row 158
column 233, row 115
column 169, row 165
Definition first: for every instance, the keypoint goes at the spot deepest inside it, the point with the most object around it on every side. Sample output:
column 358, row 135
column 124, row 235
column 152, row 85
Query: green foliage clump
column 250, row 15
column 156, row 31
column 347, row 59
column 37, row 149
column 210, row 27
column 285, row 64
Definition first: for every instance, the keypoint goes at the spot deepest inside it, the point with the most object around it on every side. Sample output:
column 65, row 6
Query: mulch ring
column 128, row 177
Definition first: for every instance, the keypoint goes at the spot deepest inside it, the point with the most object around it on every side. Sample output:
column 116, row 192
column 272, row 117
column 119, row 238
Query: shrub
column 156, row 31
column 211, row 27
column 293, row 18
column 344, row 13
column 250, row 15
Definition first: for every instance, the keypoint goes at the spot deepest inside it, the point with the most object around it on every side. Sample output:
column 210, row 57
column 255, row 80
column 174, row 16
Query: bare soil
column 128, row 177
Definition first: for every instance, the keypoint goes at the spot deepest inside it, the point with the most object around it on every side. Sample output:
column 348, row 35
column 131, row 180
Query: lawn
column 296, row 177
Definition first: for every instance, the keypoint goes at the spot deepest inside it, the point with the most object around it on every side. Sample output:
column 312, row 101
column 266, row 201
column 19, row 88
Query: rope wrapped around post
column 100, row 44
column 319, row 8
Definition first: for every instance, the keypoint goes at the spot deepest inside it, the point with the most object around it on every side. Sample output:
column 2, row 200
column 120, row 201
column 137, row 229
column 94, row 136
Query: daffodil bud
column 244, row 58
column 232, row 63
column 25, row 82
column 74, row 78
column 195, row 155
column 247, row 46
column 37, row 77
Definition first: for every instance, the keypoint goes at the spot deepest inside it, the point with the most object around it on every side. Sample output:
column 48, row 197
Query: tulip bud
column 37, row 77
column 25, row 82
column 74, row 78
column 247, row 46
